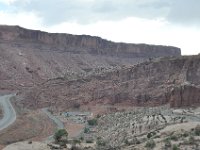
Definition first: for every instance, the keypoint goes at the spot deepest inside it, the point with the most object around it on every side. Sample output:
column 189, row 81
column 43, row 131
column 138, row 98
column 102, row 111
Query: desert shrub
column 98, row 115
column 137, row 142
column 185, row 134
column 100, row 142
column 150, row 144
column 167, row 143
column 89, row 141
column 197, row 130
column 86, row 130
column 92, row 122
column 61, row 133
column 151, row 134
column 174, row 137
column 76, row 105
column 126, row 142
column 175, row 147
column 157, row 136
column 81, row 138
column 75, row 148
column 191, row 140
column 76, row 141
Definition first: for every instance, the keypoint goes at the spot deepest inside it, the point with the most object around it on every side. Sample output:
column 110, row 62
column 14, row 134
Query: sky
column 160, row 22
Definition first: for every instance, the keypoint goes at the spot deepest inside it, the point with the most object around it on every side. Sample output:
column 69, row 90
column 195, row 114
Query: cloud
column 7, row 1
column 89, row 11
column 185, row 12
column 165, row 22
column 25, row 19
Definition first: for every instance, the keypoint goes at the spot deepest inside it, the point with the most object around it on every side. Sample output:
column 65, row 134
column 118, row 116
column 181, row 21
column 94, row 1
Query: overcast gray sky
column 166, row 22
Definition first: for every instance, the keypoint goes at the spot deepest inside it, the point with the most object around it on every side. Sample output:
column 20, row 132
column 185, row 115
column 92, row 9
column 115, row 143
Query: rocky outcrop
column 151, row 83
column 29, row 57
column 185, row 95
column 92, row 45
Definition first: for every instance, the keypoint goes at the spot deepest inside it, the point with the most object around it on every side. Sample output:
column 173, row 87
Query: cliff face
column 169, row 80
column 29, row 57
column 93, row 45
column 185, row 95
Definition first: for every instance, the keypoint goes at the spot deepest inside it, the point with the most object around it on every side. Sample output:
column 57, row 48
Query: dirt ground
column 73, row 129
column 34, row 126
column 180, row 126
column 26, row 146
column 1, row 147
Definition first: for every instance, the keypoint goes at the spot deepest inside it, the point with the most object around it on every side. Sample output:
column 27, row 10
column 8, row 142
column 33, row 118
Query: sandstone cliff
column 29, row 57
column 169, row 80
column 91, row 45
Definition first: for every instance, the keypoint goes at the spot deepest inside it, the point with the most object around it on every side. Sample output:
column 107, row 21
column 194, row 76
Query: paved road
column 9, row 115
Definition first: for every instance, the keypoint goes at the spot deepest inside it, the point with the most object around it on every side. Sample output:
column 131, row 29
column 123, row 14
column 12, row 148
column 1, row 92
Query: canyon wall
column 92, row 45
column 29, row 57
column 173, row 81
column 53, row 69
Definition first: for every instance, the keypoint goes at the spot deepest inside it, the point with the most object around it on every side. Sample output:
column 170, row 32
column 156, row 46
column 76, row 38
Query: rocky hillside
column 155, row 82
column 28, row 57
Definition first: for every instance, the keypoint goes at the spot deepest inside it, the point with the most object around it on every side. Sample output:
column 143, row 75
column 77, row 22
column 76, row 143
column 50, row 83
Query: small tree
column 61, row 136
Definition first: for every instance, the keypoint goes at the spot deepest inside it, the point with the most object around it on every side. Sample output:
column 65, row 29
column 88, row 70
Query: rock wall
column 92, row 45
column 151, row 83
column 185, row 95
column 29, row 57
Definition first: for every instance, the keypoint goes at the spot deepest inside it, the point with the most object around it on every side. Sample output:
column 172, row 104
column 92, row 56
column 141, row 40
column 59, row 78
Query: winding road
column 9, row 114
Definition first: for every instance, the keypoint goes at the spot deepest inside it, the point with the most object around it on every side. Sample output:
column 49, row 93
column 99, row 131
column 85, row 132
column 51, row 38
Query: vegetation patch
column 61, row 136
column 150, row 144
column 92, row 122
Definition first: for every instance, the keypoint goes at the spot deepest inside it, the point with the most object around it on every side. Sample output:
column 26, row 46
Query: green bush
column 101, row 142
column 197, row 130
column 150, row 144
column 86, row 130
column 151, row 134
column 92, row 122
column 175, row 147
column 98, row 116
column 76, row 141
column 191, row 140
column 167, row 143
column 81, row 138
column 61, row 133
column 126, row 142
column 174, row 137
column 89, row 141
column 185, row 134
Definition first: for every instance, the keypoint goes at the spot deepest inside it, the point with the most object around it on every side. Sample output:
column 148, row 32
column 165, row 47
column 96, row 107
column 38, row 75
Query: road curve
column 9, row 115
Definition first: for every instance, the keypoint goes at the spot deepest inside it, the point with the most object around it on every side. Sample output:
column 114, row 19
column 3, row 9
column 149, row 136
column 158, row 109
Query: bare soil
column 73, row 128
column 26, row 146
column 34, row 126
